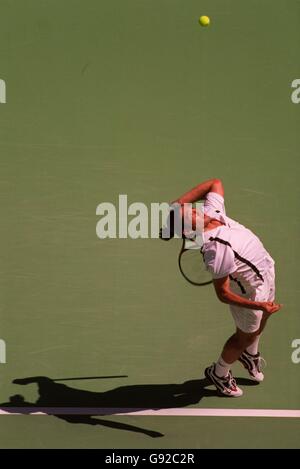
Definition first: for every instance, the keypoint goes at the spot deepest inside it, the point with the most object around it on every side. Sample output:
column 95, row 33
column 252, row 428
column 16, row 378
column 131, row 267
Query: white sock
column 253, row 348
column 222, row 368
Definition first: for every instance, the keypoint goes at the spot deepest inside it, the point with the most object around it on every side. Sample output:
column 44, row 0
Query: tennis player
column 243, row 277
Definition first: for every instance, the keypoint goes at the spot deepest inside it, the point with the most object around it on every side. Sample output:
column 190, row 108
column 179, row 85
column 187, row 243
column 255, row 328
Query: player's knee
column 245, row 340
column 250, row 339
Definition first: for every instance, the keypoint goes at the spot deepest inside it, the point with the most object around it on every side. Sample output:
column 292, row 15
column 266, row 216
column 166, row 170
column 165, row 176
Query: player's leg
column 219, row 373
column 251, row 358
column 243, row 344
column 236, row 344
column 250, row 324
column 253, row 347
column 248, row 327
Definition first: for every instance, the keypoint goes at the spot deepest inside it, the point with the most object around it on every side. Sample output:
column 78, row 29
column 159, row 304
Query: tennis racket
column 191, row 264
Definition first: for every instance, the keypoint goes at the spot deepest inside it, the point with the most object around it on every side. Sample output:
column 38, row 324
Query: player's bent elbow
column 223, row 296
column 222, row 288
column 218, row 181
column 223, row 299
column 218, row 187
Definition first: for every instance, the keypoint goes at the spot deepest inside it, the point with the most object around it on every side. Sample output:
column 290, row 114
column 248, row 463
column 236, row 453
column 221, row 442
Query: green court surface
column 109, row 97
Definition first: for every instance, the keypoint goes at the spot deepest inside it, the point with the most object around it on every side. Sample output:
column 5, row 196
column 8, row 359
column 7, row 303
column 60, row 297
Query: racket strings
column 193, row 268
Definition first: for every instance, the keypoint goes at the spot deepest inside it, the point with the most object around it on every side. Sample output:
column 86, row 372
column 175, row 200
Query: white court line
column 177, row 412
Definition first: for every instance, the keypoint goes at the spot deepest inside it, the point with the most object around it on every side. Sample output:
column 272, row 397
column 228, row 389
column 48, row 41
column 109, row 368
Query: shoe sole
column 255, row 379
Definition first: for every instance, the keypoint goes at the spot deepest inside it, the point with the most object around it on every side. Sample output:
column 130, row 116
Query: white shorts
column 248, row 320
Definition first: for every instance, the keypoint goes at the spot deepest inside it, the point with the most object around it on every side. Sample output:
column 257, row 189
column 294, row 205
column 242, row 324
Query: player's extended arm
column 200, row 191
column 222, row 287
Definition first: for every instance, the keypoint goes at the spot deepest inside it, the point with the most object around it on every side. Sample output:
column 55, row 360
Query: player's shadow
column 54, row 397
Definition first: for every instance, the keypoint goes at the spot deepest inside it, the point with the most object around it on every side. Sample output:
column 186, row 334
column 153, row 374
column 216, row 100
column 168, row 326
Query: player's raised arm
column 199, row 192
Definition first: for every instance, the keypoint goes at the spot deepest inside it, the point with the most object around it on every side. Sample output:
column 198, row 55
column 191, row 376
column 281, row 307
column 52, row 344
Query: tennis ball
column 204, row 20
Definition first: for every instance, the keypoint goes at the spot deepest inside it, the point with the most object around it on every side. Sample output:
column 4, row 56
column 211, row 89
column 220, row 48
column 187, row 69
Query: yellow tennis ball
column 204, row 20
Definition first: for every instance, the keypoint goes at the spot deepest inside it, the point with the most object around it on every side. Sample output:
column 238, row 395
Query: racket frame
column 185, row 242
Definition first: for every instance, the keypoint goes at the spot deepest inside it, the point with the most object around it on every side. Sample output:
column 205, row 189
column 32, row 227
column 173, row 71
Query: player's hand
column 270, row 307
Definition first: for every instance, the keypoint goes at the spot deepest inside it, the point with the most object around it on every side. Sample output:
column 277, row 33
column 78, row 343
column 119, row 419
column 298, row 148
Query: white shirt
column 231, row 249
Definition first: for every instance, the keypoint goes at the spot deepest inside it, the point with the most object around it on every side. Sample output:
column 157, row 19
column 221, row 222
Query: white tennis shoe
column 226, row 384
column 253, row 364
